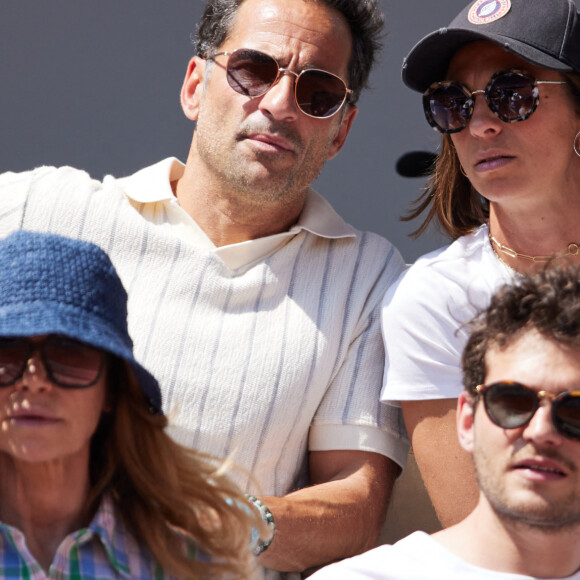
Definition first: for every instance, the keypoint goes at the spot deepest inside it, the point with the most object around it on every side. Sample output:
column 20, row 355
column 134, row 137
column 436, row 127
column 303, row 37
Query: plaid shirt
column 104, row 550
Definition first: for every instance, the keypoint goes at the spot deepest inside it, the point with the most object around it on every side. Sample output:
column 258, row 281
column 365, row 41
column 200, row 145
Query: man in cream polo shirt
column 253, row 303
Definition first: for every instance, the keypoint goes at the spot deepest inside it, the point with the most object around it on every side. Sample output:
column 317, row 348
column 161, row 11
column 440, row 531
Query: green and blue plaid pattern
column 103, row 551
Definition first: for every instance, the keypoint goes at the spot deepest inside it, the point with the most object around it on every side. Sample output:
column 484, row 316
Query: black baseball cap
column 545, row 33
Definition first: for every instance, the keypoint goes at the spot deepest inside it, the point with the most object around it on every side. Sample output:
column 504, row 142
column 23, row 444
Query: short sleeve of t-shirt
column 426, row 313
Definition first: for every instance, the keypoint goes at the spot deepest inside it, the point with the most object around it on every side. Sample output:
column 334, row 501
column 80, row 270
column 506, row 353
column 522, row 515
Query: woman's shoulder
column 470, row 249
column 456, row 278
column 466, row 261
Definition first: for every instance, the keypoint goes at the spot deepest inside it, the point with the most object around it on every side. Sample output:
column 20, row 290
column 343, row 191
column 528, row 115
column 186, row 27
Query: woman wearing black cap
column 502, row 84
column 91, row 486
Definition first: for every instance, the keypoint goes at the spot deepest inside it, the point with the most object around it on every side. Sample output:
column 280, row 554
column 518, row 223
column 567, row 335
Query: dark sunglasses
column 252, row 73
column 511, row 405
column 70, row 364
column 512, row 96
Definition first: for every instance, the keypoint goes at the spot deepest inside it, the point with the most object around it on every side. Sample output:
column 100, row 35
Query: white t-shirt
column 416, row 557
column 424, row 314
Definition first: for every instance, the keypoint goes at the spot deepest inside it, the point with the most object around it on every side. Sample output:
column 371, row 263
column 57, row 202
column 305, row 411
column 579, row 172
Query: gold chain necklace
column 573, row 250
column 498, row 256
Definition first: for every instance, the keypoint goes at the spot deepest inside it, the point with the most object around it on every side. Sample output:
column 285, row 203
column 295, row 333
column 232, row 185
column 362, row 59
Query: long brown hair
column 449, row 198
column 170, row 497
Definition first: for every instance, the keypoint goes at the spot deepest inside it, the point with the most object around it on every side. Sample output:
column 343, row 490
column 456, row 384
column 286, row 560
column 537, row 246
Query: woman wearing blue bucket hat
column 91, row 486
column 501, row 83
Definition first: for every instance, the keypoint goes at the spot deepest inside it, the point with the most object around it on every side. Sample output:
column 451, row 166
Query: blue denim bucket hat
column 55, row 285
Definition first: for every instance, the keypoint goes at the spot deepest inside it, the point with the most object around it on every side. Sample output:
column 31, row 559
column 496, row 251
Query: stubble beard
column 275, row 186
column 549, row 516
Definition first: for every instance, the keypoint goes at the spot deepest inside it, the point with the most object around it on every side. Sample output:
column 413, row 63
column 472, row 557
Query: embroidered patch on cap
column 486, row 11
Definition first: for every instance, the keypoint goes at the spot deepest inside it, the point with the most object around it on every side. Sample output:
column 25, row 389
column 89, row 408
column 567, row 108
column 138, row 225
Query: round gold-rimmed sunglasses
column 252, row 73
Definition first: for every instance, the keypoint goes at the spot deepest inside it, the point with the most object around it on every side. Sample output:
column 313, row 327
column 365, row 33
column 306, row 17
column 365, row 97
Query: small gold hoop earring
column 465, row 174
column 576, row 144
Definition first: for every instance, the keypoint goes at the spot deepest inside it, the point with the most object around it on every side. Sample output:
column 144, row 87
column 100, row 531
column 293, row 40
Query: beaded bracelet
column 267, row 518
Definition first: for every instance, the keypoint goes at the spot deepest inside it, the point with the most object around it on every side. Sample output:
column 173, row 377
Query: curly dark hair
column 363, row 17
column 548, row 302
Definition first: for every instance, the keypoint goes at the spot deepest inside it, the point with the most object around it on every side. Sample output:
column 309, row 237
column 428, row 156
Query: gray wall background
column 95, row 84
